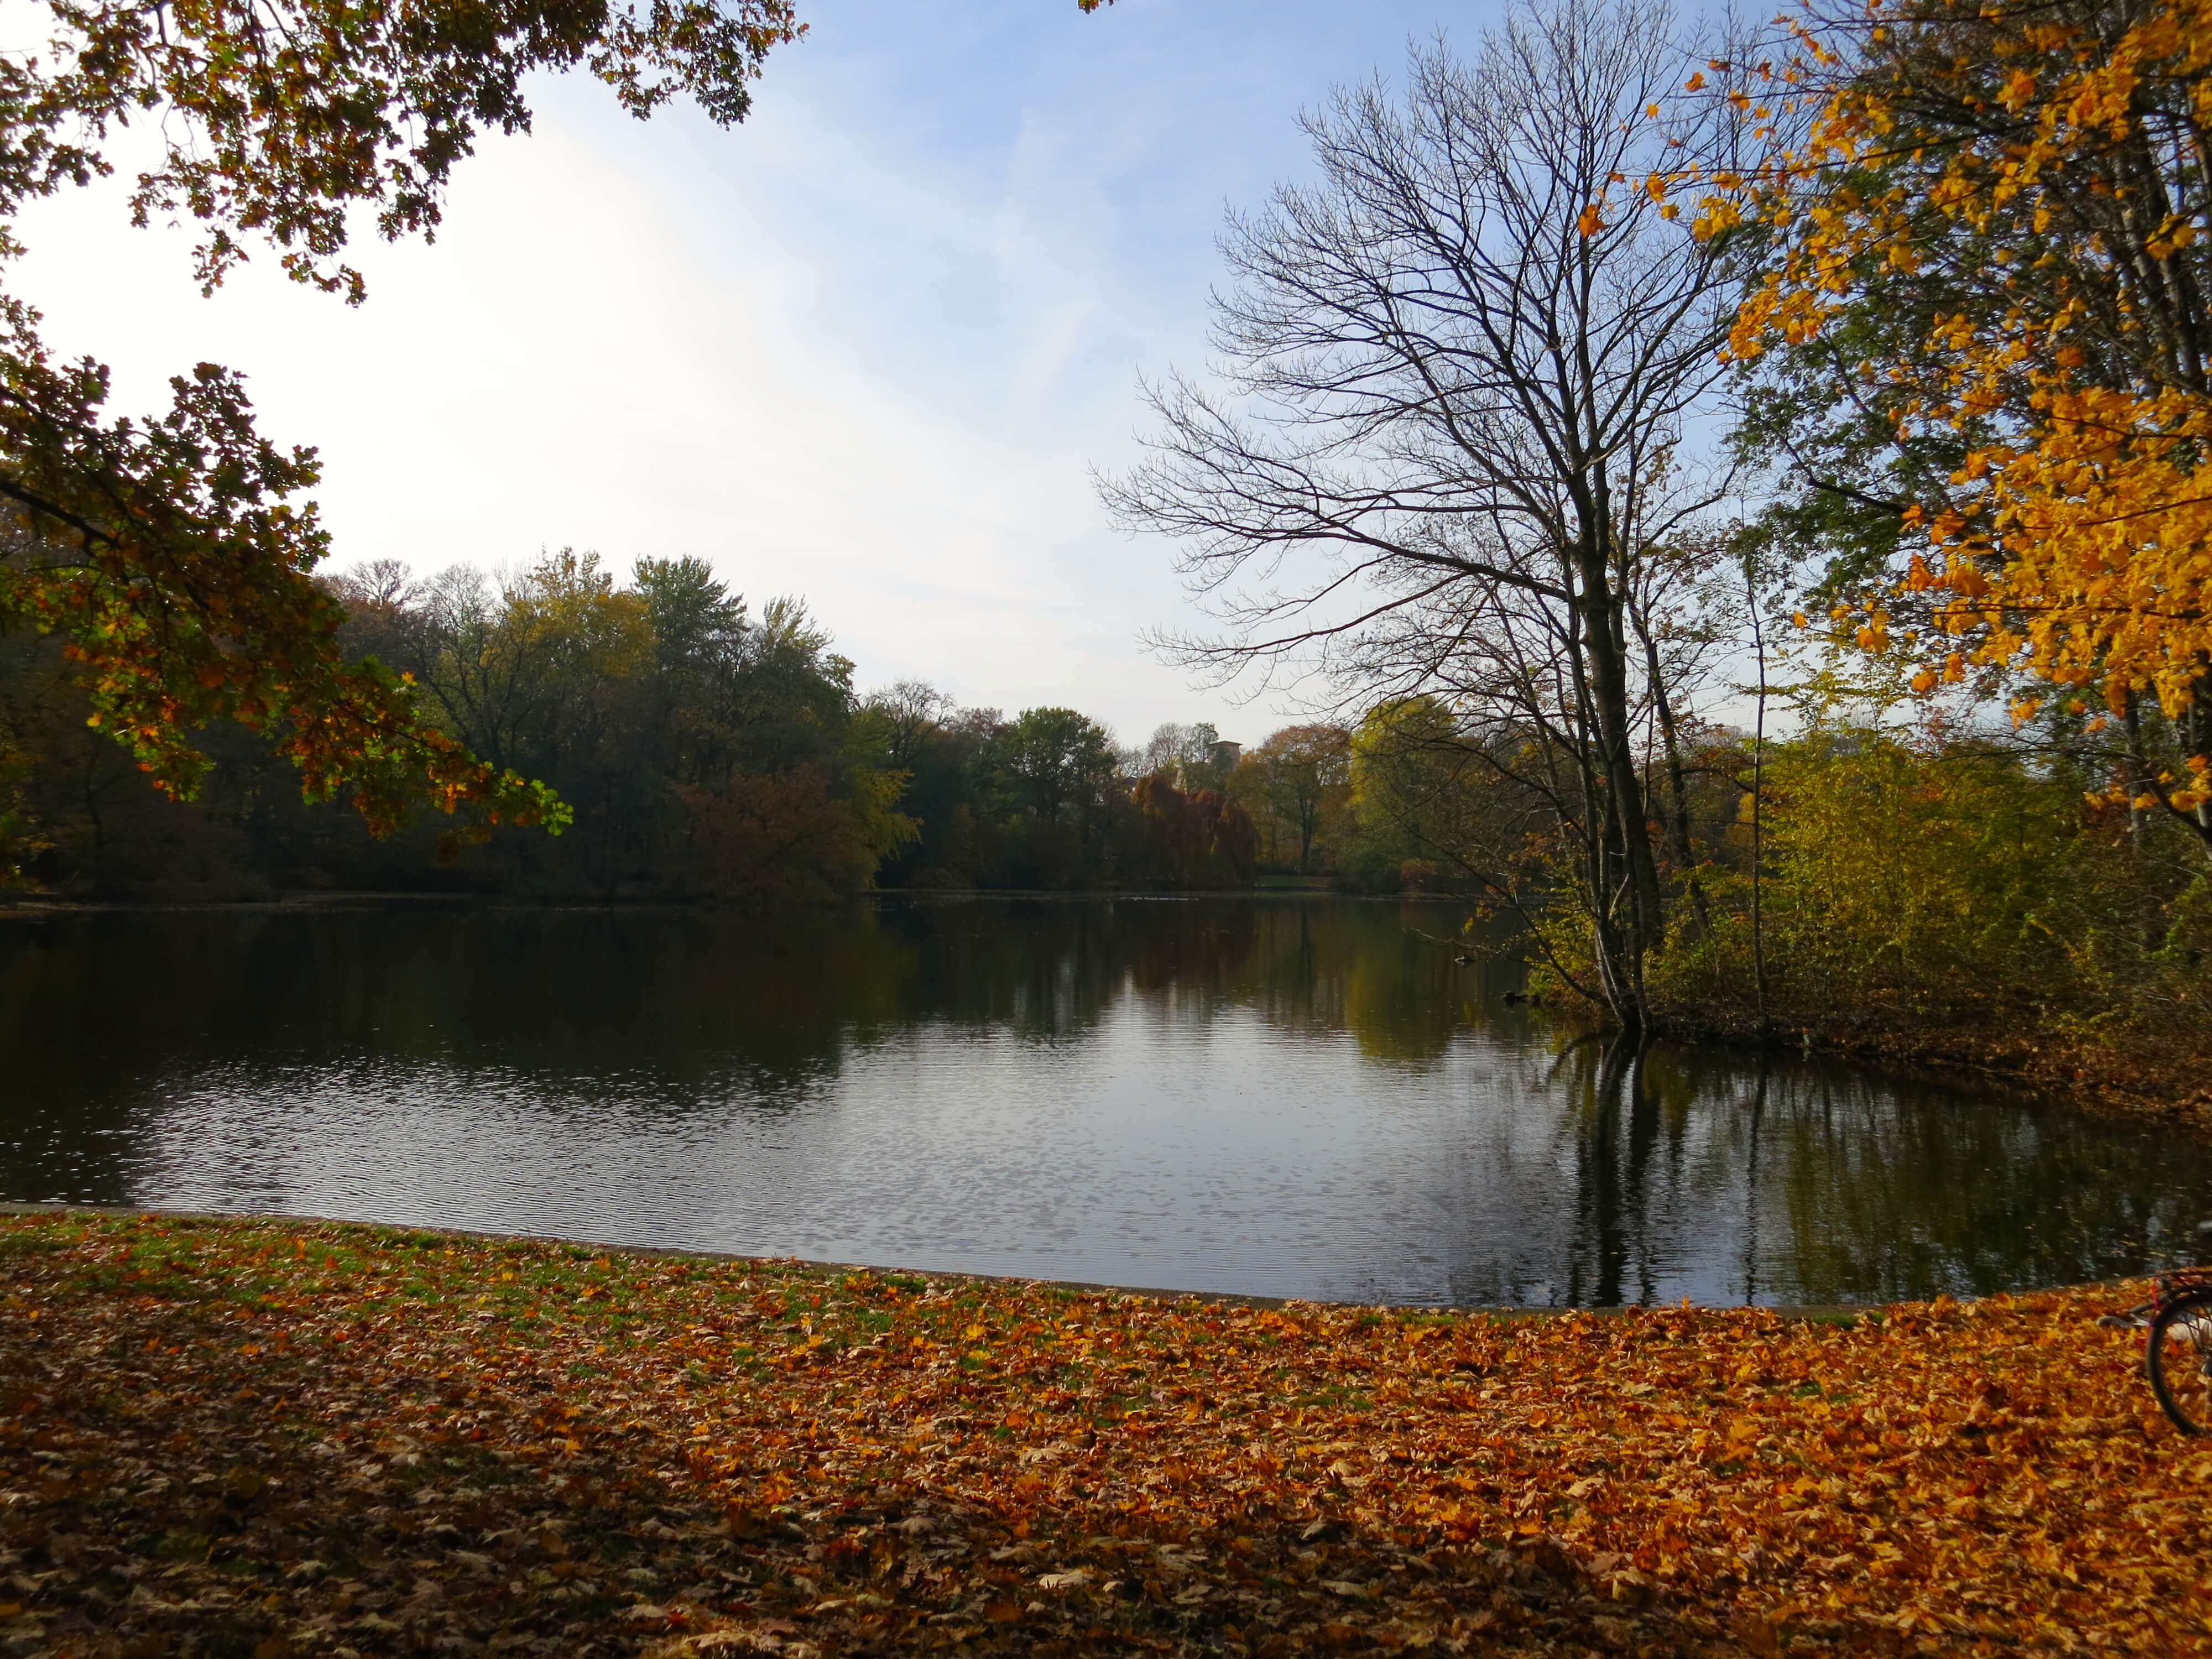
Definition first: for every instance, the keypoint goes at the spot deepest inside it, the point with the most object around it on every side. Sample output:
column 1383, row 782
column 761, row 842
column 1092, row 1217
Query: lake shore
column 279, row 1437
column 2042, row 1064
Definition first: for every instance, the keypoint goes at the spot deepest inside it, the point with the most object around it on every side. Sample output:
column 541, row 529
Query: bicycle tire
column 2178, row 1354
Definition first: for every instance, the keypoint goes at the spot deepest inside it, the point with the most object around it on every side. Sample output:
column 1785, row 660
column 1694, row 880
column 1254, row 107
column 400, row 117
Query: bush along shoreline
column 281, row 1438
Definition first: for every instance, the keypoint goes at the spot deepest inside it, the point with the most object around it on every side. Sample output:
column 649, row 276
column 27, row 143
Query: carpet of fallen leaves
column 265, row 1438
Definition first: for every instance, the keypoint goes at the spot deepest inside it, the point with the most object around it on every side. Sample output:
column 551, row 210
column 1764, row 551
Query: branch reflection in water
column 1299, row 1096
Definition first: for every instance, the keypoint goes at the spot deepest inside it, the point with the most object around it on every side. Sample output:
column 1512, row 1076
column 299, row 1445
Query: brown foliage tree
column 1202, row 839
column 788, row 838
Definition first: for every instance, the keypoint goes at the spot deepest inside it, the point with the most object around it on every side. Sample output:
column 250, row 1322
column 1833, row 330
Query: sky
column 866, row 348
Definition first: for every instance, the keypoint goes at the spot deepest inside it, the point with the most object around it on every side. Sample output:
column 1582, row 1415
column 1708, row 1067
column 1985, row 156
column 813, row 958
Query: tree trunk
column 1678, row 779
column 1625, row 838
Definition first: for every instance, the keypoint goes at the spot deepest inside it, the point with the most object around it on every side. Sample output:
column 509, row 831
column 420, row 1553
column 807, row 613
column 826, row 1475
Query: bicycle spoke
column 2180, row 1360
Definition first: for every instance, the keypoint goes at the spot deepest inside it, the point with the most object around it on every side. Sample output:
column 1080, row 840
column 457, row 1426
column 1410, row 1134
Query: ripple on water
column 1297, row 1097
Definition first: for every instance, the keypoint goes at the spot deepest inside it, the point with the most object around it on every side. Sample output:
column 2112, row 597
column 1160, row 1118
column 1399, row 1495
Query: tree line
column 698, row 749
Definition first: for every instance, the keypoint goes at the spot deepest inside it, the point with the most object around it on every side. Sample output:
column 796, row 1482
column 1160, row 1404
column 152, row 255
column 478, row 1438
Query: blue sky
column 864, row 348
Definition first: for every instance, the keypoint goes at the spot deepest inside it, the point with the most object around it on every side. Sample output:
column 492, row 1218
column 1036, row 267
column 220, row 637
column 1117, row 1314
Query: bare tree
column 912, row 711
column 1163, row 751
column 1192, row 756
column 1463, row 374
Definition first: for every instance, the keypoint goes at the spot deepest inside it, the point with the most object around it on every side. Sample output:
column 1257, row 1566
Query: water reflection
column 1301, row 1097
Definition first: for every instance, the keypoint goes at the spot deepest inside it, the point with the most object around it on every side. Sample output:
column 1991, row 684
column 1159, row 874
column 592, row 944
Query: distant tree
column 910, row 713
column 702, row 637
column 1436, row 812
column 476, row 665
column 941, row 750
column 1303, row 773
column 1234, row 843
column 1416, row 791
column 1053, row 761
column 1163, row 751
column 654, row 706
column 527, row 671
column 1053, row 768
column 1194, row 757
column 792, row 837
column 1200, row 839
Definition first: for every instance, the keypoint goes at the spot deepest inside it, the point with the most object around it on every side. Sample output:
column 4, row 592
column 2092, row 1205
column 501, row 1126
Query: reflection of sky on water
column 1285, row 1099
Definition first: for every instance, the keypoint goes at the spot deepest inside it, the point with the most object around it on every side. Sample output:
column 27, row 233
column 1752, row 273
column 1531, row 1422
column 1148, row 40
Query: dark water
column 1299, row 1096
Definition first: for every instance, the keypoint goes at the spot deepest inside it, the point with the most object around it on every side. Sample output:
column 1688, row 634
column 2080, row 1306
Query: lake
column 1303, row 1096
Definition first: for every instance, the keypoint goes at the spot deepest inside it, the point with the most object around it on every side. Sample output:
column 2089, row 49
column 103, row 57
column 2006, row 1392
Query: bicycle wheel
column 2178, row 1357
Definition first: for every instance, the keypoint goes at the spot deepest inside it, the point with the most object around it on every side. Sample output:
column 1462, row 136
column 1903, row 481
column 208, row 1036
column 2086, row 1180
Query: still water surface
column 1298, row 1096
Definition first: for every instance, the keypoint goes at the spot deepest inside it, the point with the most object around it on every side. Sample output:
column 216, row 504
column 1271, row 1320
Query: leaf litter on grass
column 263, row 1437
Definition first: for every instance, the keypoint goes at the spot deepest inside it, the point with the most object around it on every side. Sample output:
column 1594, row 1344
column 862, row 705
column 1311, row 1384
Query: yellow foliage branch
column 2078, row 547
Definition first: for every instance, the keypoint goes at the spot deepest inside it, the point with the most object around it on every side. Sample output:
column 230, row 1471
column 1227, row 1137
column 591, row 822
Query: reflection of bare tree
column 1751, row 1200
column 1610, row 1196
column 1730, row 1177
column 1484, row 1165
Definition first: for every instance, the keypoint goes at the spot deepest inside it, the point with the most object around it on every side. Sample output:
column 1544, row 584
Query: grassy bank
column 270, row 1438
